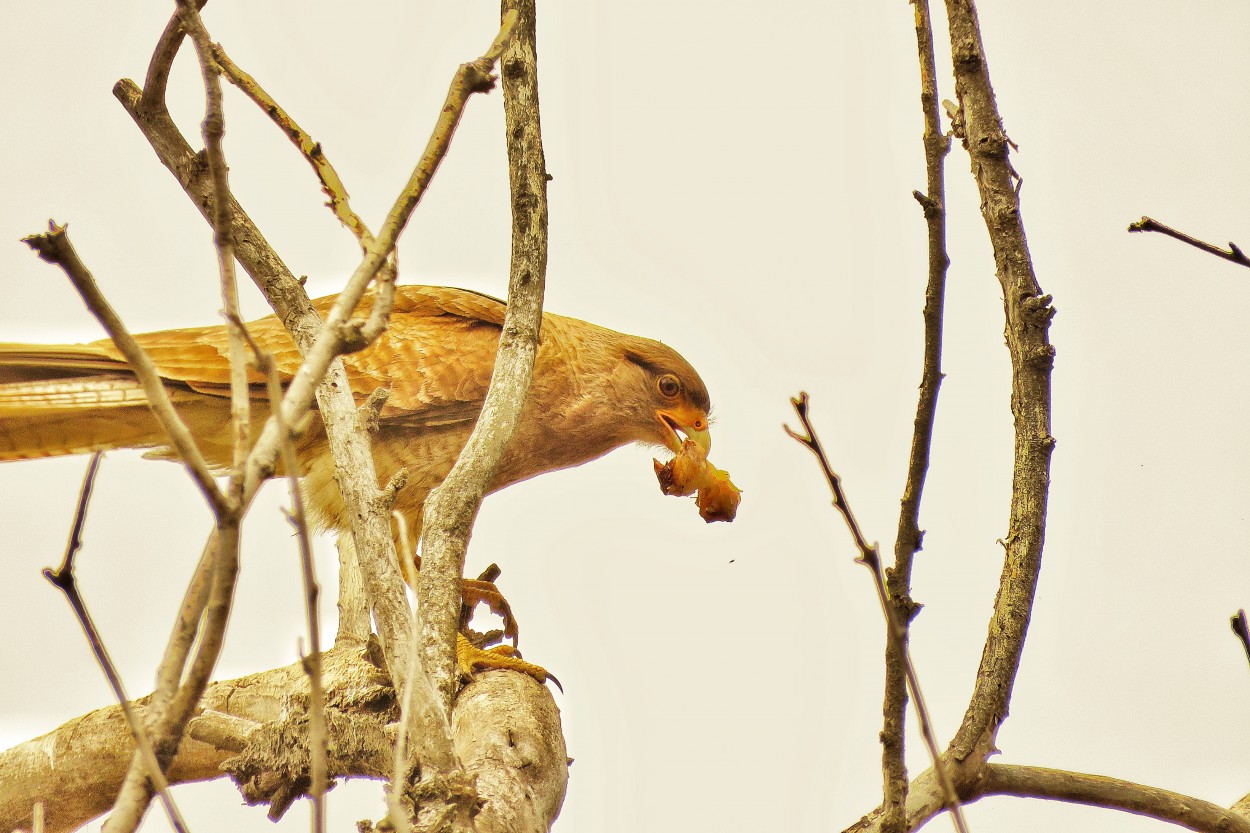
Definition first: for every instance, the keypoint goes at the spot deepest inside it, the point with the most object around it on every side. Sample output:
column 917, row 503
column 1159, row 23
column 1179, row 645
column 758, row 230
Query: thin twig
column 869, row 557
column 909, row 536
column 317, row 735
column 311, row 150
column 55, row 248
column 213, row 130
column 65, row 580
column 1234, row 254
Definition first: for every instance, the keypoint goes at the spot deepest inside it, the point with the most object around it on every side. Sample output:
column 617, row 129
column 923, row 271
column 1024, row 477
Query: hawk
column 593, row 390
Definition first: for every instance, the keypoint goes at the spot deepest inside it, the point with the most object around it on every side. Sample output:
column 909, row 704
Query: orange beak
column 687, row 420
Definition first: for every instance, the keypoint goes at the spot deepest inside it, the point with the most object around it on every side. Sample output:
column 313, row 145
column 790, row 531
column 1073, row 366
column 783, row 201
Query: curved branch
column 452, row 507
column 1028, row 314
column 1112, row 793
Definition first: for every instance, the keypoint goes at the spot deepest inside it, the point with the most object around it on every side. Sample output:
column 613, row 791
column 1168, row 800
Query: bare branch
column 1234, row 254
column 353, row 604
column 452, row 507
column 1112, row 793
column 317, row 738
column 311, row 150
column 65, row 580
column 909, row 536
column 1028, row 314
column 54, row 247
column 213, row 130
column 869, row 557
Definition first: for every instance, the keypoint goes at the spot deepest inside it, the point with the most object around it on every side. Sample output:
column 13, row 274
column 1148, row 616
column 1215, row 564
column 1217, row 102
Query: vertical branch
column 451, row 508
column 317, row 737
column 895, row 633
column 909, row 537
column 213, row 130
column 1028, row 315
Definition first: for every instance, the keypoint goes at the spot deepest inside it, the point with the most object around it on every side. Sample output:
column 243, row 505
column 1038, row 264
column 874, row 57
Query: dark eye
column 668, row 385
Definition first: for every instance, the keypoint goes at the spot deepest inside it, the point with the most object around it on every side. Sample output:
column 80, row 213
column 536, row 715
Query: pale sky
column 736, row 183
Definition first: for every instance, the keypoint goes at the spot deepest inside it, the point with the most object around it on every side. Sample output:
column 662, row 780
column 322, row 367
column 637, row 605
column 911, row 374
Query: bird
column 593, row 390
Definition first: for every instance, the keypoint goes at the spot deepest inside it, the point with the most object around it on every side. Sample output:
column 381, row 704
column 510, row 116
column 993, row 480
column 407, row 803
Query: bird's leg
column 473, row 653
column 474, row 591
column 483, row 589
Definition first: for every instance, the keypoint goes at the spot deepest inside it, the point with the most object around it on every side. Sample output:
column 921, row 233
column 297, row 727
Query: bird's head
column 663, row 396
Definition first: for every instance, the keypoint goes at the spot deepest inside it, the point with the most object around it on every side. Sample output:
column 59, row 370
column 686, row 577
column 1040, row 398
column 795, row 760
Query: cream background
column 738, row 183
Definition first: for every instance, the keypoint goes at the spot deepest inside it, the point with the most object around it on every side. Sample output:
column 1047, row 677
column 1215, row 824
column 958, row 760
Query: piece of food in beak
column 718, row 498
column 689, row 472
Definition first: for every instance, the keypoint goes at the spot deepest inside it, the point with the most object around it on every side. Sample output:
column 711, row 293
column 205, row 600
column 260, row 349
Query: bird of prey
column 593, row 390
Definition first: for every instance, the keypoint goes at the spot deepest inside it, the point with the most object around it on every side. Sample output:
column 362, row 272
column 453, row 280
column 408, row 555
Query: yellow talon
column 472, row 659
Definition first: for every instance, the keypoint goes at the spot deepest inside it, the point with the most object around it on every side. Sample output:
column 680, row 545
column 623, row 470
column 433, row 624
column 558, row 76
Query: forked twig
column 64, row 579
column 1233, row 254
column 869, row 557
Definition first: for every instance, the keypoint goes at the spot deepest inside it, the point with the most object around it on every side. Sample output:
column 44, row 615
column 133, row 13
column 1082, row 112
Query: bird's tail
column 69, row 399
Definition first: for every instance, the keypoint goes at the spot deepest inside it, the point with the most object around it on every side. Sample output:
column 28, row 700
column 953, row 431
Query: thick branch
column 453, row 506
column 1028, row 314
column 1111, row 793
column 506, row 730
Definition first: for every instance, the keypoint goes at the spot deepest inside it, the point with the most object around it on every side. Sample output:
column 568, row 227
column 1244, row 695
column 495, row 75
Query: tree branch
column 871, row 558
column 1111, row 793
column 503, row 723
column 65, row 579
column 452, row 507
column 1234, row 254
column 55, row 248
column 311, row 150
column 1028, row 314
column 909, row 536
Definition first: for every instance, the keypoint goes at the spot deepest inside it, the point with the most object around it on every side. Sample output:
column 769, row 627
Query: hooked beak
column 685, row 420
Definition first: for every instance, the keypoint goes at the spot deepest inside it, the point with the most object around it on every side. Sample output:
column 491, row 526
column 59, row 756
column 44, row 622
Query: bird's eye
column 668, row 385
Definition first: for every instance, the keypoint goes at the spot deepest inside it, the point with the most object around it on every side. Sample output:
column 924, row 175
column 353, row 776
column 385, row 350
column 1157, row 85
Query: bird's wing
column 435, row 358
